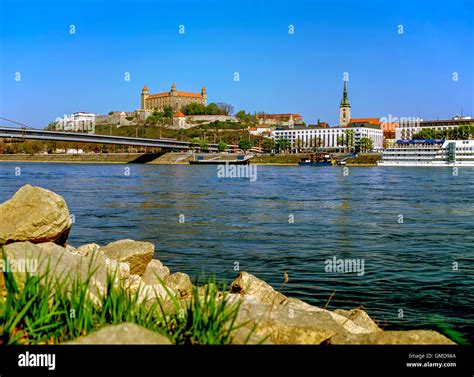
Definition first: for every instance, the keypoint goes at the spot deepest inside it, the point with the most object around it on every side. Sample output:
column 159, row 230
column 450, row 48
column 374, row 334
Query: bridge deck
column 32, row 134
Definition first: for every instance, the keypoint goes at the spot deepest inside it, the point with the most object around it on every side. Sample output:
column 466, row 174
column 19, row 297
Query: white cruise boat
column 429, row 153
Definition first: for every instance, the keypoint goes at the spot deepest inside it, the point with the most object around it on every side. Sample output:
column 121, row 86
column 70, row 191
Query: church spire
column 344, row 108
column 345, row 100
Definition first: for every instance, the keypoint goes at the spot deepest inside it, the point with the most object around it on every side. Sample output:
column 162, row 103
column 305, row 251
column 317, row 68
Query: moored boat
column 429, row 152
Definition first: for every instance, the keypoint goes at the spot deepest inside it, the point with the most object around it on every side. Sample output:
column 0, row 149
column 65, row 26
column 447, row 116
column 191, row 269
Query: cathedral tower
column 344, row 108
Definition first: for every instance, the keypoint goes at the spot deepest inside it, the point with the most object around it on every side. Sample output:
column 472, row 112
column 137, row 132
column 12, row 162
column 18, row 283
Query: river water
column 411, row 229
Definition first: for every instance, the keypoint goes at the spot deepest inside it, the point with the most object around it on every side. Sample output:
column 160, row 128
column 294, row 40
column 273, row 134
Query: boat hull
column 219, row 162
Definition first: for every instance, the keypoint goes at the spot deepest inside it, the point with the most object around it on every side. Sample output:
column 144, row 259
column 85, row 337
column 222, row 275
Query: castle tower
column 173, row 90
column 344, row 108
column 144, row 97
column 204, row 95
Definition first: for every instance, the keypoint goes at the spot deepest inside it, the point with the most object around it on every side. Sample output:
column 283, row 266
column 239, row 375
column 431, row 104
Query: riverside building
column 328, row 137
column 406, row 129
column 77, row 122
column 302, row 137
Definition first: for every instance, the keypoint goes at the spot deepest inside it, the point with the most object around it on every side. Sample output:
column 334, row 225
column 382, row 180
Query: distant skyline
column 404, row 58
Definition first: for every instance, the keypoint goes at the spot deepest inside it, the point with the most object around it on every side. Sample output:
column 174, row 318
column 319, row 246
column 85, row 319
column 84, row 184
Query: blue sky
column 409, row 74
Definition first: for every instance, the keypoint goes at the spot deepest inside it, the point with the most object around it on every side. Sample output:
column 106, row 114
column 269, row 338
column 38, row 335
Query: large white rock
column 180, row 283
column 59, row 264
column 36, row 215
column 393, row 337
column 137, row 254
column 154, row 272
column 125, row 333
column 247, row 284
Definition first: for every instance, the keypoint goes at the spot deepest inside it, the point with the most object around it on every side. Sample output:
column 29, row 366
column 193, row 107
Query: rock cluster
column 34, row 224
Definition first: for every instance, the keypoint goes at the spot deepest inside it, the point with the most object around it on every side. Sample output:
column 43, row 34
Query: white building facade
column 406, row 130
column 330, row 137
column 77, row 122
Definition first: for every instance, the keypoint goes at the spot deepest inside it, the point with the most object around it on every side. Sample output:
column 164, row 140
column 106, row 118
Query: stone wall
column 210, row 118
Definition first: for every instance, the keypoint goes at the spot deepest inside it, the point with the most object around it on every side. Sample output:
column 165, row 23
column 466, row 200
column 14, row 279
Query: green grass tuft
column 40, row 310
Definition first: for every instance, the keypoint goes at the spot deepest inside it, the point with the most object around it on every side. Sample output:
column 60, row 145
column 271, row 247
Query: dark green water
column 408, row 267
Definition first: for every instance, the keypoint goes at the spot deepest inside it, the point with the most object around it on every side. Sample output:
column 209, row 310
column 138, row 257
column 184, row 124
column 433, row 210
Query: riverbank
column 104, row 158
column 122, row 285
column 170, row 158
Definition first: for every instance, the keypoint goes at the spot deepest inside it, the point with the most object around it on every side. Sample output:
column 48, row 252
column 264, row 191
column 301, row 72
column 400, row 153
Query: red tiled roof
column 159, row 95
column 375, row 121
column 179, row 114
column 278, row 116
column 179, row 94
column 188, row 94
column 145, row 88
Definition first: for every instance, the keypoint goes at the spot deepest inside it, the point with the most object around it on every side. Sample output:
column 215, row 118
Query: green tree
column 268, row 144
column 241, row 115
column 299, row 144
column 221, row 146
column 154, row 120
column 282, row 144
column 212, row 109
column 204, row 145
column 349, row 139
column 245, row 145
column 366, row 144
column 425, row 133
column 168, row 112
column 194, row 108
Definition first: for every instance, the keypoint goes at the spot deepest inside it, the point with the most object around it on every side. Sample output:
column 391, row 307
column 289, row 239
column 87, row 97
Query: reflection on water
column 408, row 265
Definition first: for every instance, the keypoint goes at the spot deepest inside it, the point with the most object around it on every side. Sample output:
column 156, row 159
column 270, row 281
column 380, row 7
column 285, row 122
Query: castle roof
column 159, row 95
column 145, row 88
column 179, row 94
column 189, row 94
column 178, row 114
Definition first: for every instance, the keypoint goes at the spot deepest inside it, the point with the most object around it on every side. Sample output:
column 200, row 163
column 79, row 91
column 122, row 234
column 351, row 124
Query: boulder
column 137, row 254
column 247, row 284
column 245, row 335
column 125, row 333
column 71, row 249
column 154, row 272
column 60, row 264
column 293, row 321
column 393, row 337
column 283, row 325
column 88, row 249
column 118, row 269
column 359, row 317
column 151, row 293
column 36, row 215
column 133, row 283
column 180, row 283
